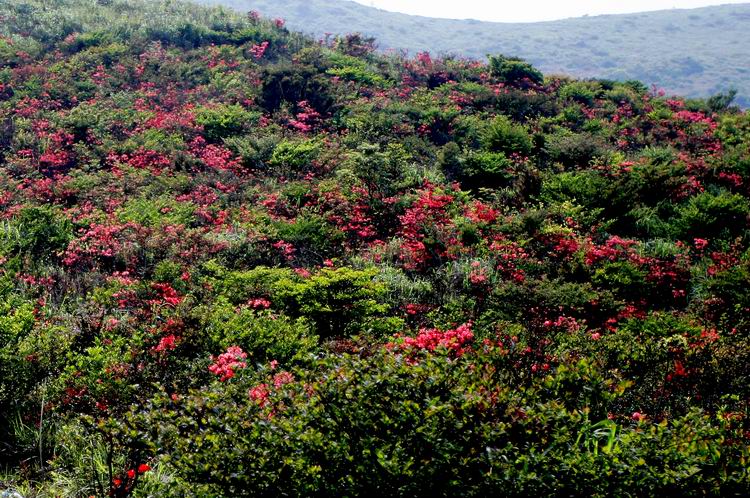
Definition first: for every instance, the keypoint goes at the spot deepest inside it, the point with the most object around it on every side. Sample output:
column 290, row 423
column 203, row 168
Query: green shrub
column 294, row 157
column 514, row 70
column 39, row 233
column 223, row 121
column 380, row 170
column 574, row 150
column 17, row 374
column 263, row 335
column 240, row 286
column 340, row 302
column 502, row 135
column 314, row 238
column 434, row 427
column 293, row 84
column 708, row 215
column 579, row 91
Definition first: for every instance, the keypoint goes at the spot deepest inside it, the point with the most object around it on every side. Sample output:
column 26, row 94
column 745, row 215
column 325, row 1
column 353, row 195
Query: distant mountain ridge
column 693, row 52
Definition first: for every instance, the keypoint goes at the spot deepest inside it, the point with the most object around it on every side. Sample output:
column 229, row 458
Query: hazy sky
column 531, row 10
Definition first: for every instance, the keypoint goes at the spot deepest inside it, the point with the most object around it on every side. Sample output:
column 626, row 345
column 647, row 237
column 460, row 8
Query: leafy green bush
column 439, row 427
column 707, row 215
column 263, row 335
column 38, row 233
column 222, row 121
column 340, row 302
column 294, row 157
column 579, row 91
column 16, row 323
column 574, row 150
column 514, row 70
column 294, row 84
column 502, row 135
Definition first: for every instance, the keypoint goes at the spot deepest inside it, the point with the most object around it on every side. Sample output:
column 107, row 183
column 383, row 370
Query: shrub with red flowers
column 426, row 228
column 458, row 341
column 479, row 280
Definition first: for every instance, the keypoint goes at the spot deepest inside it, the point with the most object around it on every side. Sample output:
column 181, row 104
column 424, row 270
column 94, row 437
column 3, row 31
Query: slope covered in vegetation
column 236, row 262
column 692, row 52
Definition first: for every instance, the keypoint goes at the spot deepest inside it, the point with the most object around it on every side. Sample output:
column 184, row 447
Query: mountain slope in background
column 695, row 52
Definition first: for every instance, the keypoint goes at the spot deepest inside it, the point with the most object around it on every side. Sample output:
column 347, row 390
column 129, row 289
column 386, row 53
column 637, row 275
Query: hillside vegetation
column 237, row 262
column 696, row 52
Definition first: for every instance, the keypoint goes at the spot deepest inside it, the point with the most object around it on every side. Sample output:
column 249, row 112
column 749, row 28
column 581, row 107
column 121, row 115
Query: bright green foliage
column 224, row 121
column 17, row 374
column 713, row 214
column 340, row 301
column 294, row 157
column 502, row 135
column 263, row 335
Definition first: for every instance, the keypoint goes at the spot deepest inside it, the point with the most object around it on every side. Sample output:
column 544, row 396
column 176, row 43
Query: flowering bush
column 238, row 261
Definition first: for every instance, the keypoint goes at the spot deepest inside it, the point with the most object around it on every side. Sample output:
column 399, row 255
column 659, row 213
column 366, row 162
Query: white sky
column 531, row 10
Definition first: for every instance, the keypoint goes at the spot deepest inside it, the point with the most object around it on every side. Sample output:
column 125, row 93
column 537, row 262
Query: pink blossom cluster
column 259, row 303
column 306, row 119
column 478, row 212
column 203, row 195
column 508, row 254
column 101, row 241
column 562, row 322
column 141, row 159
column 287, row 249
column 261, row 392
column 478, row 274
column 226, row 363
column 429, row 211
column 166, row 343
column 258, row 50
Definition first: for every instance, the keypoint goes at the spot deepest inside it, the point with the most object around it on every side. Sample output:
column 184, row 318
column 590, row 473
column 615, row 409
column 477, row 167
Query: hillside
column 236, row 262
column 696, row 52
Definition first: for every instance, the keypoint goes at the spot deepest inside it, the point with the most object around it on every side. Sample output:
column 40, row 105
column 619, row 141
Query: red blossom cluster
column 613, row 249
column 286, row 248
column 457, row 340
column 215, row 156
column 167, row 294
column 99, row 241
column 508, row 255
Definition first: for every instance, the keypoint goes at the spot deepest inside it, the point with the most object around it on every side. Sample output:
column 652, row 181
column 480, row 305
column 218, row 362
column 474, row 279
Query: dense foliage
column 237, row 262
column 693, row 52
